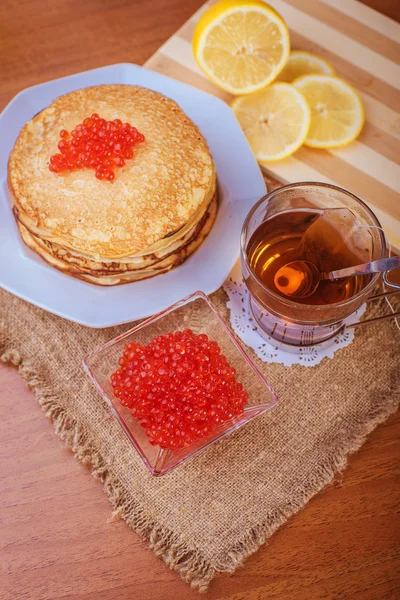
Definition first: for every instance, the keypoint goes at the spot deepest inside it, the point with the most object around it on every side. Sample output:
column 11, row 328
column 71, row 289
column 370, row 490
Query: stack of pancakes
column 158, row 210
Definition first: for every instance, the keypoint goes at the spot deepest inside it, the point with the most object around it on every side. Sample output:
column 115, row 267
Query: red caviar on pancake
column 96, row 144
column 179, row 386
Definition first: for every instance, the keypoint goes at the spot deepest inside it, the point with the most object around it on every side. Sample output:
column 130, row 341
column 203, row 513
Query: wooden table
column 56, row 541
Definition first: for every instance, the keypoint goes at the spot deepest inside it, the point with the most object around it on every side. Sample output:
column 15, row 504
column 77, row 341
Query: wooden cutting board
column 364, row 48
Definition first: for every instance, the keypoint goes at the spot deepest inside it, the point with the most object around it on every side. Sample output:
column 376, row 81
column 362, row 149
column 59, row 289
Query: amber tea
column 331, row 239
column 315, row 222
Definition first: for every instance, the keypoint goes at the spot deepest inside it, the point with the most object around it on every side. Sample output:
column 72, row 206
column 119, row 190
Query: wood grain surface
column 56, row 541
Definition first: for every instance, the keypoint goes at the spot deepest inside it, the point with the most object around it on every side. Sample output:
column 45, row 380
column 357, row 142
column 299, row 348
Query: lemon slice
column 304, row 63
column 241, row 45
column 337, row 113
column 274, row 120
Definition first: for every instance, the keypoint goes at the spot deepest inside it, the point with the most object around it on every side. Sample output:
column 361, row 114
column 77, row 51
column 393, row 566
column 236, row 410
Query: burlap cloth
column 213, row 511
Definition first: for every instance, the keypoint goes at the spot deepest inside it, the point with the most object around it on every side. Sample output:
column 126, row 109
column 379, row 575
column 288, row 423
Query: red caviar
column 179, row 386
column 96, row 144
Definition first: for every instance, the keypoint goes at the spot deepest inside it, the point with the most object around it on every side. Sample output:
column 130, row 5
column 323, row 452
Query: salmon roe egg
column 96, row 144
column 179, row 386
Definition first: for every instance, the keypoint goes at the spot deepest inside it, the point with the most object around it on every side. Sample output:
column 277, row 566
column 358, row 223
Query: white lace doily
column 247, row 330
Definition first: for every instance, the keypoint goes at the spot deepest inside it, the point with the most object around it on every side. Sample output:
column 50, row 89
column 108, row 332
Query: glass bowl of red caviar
column 178, row 382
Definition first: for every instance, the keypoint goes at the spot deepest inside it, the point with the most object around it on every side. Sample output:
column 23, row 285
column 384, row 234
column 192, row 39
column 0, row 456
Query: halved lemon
column 304, row 63
column 241, row 45
column 337, row 113
column 275, row 120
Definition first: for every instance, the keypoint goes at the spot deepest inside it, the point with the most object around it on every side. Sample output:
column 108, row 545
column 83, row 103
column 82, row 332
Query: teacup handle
column 392, row 315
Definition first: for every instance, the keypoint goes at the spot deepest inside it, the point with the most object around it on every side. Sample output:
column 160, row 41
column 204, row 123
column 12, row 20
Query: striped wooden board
column 364, row 48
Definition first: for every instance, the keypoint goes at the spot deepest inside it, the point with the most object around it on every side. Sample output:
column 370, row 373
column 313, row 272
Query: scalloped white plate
column 240, row 182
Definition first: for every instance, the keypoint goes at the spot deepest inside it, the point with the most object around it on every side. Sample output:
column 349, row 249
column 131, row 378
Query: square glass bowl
column 196, row 312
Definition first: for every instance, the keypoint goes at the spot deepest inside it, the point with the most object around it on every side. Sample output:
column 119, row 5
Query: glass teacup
column 288, row 321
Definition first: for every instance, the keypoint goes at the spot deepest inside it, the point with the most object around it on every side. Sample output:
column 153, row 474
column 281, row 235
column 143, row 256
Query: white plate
column 241, row 184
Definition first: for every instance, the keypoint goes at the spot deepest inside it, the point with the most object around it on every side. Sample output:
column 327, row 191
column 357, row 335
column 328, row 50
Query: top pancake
column 171, row 175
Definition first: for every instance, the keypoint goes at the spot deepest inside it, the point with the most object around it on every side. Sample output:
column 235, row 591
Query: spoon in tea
column 300, row 278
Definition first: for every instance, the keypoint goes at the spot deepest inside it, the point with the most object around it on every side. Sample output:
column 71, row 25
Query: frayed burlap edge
column 191, row 565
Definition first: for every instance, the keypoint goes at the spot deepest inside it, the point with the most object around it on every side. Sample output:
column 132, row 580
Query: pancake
column 114, row 276
column 143, row 259
column 154, row 196
column 120, row 265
